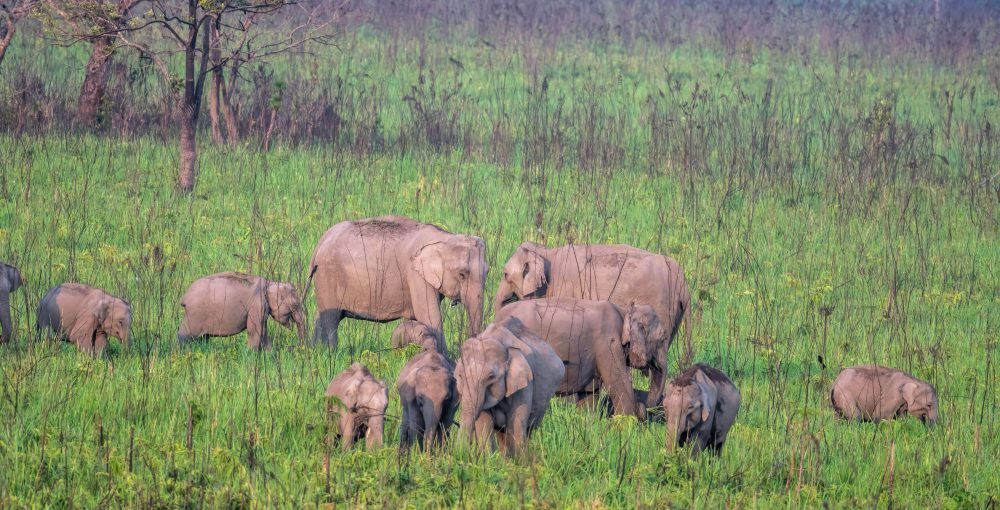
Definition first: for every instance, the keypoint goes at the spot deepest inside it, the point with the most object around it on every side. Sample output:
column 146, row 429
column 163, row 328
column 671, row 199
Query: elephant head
column 688, row 405
column 640, row 333
column 415, row 332
column 489, row 371
column 920, row 401
column 10, row 281
column 525, row 275
column 286, row 306
column 456, row 267
column 363, row 400
column 116, row 318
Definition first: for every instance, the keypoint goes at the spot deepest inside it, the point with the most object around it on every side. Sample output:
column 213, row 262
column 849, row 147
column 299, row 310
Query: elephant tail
column 309, row 280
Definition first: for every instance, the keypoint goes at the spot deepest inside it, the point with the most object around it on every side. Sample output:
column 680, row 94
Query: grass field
column 820, row 211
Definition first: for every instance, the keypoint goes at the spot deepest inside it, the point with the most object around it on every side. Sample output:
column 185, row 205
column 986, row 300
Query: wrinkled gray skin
column 10, row 281
column 875, row 393
column 700, row 405
column 506, row 377
column 428, row 397
column 359, row 402
column 85, row 316
column 596, row 340
column 391, row 267
column 414, row 332
column 618, row 273
column 226, row 304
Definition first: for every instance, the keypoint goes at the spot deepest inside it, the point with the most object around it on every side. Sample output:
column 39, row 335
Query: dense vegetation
column 826, row 175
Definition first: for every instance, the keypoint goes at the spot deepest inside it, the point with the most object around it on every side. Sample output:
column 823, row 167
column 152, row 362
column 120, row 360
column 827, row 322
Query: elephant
column 10, row 281
column 360, row 403
column 700, row 405
column 392, row 267
column 225, row 304
column 414, row 332
column 85, row 316
column 506, row 376
column 428, row 396
column 876, row 393
column 596, row 341
column 618, row 273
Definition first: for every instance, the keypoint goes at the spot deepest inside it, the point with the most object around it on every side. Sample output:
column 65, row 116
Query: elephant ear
column 627, row 318
column 709, row 398
column 909, row 393
column 88, row 322
column 428, row 262
column 532, row 272
column 13, row 277
column 519, row 373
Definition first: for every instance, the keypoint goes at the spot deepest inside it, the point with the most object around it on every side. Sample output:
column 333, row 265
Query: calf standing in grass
column 876, row 393
column 700, row 405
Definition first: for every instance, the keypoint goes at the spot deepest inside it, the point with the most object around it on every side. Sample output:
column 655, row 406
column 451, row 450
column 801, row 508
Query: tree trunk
column 194, row 85
column 226, row 95
column 6, row 34
column 94, row 82
column 216, row 86
column 189, row 150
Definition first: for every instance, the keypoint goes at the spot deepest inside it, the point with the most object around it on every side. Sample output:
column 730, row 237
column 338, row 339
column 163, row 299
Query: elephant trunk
column 673, row 433
column 376, row 427
column 299, row 317
column 504, row 293
column 470, row 411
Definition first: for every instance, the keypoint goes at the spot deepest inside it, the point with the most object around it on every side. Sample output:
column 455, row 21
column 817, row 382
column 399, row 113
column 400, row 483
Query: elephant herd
column 568, row 322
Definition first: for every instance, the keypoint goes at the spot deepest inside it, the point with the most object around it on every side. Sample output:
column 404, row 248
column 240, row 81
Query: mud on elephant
column 10, row 281
column 619, row 273
column 391, row 267
column 359, row 403
column 506, row 377
column 596, row 340
column 85, row 316
column 226, row 304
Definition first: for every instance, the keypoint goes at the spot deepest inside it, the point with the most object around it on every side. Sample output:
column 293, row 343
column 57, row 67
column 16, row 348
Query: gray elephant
column 506, row 376
column 596, row 340
column 428, row 396
column 618, row 273
column 875, row 393
column 85, row 316
column 226, row 304
column 359, row 402
column 10, row 281
column 415, row 332
column 391, row 267
column 700, row 406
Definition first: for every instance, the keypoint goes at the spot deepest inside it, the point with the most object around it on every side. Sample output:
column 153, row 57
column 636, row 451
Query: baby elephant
column 875, row 393
column 10, row 281
column 85, row 316
column 360, row 402
column 226, row 304
column 428, row 396
column 416, row 332
column 700, row 405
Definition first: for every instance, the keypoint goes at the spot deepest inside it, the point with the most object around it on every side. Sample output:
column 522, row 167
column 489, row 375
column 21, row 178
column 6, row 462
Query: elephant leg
column 100, row 343
column 587, row 400
column 616, row 377
column 404, row 428
column 654, row 398
column 347, row 430
column 325, row 329
column 484, row 427
column 6, row 330
column 432, row 413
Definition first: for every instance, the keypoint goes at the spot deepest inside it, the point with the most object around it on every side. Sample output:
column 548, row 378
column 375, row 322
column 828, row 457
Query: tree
column 11, row 12
column 208, row 35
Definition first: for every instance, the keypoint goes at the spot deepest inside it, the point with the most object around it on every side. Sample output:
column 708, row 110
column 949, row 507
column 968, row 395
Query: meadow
column 832, row 205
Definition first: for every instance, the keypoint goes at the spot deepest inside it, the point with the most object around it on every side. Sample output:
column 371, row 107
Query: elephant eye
column 463, row 275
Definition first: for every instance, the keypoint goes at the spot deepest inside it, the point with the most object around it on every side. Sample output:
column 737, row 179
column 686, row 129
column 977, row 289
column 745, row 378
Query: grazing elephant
column 391, row 267
column 506, row 377
column 360, row 405
column 596, row 341
column 428, row 396
column 226, row 304
column 700, row 405
column 617, row 273
column 875, row 393
column 10, row 281
column 85, row 316
column 414, row 332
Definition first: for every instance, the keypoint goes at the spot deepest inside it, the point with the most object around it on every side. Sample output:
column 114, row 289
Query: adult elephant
column 391, row 267
column 617, row 273
column 10, row 281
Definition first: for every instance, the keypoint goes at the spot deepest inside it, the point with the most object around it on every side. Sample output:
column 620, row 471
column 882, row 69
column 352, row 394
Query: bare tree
column 11, row 12
column 210, row 36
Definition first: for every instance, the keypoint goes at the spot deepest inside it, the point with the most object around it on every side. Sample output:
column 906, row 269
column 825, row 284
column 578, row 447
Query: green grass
column 903, row 258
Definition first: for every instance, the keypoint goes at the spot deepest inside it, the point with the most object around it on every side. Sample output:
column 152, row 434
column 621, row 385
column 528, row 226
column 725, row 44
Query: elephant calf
column 10, row 281
column 226, row 304
column 597, row 342
column 700, row 405
column 416, row 332
column 428, row 396
column 360, row 403
column 85, row 316
column 506, row 377
column 875, row 393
